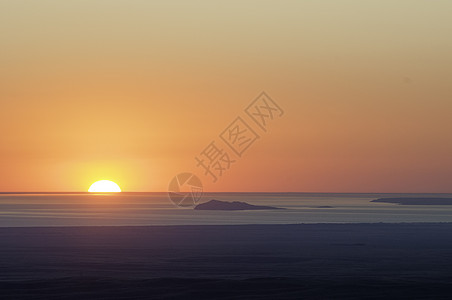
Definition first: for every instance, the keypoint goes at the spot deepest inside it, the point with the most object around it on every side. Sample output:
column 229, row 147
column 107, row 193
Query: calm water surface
column 155, row 209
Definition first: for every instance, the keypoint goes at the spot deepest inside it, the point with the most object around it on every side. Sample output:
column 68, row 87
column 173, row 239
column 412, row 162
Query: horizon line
column 214, row 192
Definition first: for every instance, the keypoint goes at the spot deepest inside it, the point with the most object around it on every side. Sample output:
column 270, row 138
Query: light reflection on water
column 156, row 209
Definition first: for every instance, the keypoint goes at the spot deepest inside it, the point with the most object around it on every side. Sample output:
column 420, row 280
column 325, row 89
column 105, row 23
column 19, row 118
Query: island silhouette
column 416, row 201
column 235, row 205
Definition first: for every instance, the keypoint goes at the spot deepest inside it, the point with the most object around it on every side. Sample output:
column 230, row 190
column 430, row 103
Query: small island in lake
column 236, row 205
column 416, row 201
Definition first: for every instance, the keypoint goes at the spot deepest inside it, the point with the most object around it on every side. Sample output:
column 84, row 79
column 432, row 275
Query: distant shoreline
column 416, row 201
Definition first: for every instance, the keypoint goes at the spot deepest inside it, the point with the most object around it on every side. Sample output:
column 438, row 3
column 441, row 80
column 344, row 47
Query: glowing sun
column 104, row 186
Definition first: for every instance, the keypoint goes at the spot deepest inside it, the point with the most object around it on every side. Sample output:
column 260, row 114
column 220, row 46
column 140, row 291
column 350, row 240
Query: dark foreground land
column 319, row 261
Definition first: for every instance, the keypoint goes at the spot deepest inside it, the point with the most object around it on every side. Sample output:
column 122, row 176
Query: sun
column 104, row 186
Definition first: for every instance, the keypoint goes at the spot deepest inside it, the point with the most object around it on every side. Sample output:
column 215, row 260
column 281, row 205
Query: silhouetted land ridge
column 236, row 205
column 416, row 201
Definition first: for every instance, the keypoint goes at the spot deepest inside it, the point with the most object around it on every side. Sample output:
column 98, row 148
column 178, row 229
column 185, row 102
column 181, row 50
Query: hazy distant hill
column 236, row 205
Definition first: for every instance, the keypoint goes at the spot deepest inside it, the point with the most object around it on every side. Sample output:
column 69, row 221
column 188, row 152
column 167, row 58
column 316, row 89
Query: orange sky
column 132, row 91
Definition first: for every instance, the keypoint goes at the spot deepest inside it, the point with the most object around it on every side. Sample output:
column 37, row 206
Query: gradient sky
column 132, row 91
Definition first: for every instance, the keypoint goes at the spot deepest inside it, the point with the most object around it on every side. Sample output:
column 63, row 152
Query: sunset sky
column 133, row 91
